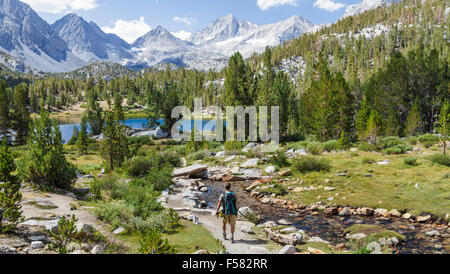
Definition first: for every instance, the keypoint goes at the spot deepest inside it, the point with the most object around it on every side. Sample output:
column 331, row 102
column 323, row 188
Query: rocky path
column 245, row 243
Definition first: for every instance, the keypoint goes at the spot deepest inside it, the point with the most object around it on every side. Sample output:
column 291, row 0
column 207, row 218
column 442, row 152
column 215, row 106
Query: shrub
column 279, row 159
column 413, row 140
column 398, row 149
column 172, row 158
column 138, row 166
column 314, row 148
column 332, row 145
column 151, row 242
column 428, row 144
column 429, row 138
column 442, row 159
column 411, row 161
column 234, row 145
column 65, row 233
column 309, row 164
column 115, row 213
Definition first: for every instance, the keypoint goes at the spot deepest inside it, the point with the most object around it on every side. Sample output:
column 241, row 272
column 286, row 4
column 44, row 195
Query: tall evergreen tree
column 5, row 121
column 82, row 140
column 10, row 195
column 414, row 120
column 114, row 148
column 444, row 123
column 21, row 117
column 45, row 163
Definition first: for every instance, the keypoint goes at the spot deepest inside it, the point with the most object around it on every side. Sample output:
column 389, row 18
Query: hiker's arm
column 218, row 206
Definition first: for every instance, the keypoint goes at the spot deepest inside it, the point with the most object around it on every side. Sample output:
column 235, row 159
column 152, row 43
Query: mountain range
column 31, row 44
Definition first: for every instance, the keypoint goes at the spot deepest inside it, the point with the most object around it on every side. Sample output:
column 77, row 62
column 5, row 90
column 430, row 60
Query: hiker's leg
column 233, row 226
column 224, row 228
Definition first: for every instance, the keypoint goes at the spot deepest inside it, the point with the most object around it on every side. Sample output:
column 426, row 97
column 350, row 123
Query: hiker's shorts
column 230, row 219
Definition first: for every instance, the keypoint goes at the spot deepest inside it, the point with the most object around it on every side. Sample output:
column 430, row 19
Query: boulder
column 288, row 249
column 88, row 229
column 190, row 170
column 251, row 163
column 385, row 162
column 245, row 211
column 230, row 177
column 433, row 233
column 423, row 219
column 37, row 245
column 288, row 230
column 395, row 213
column 229, row 159
column 381, row 212
column 301, row 152
column 220, row 154
column 374, row 247
column 408, row 216
column 344, row 211
column 251, row 145
column 315, row 251
column 247, row 229
column 285, row 173
column 36, row 238
column 51, row 225
column 119, row 231
column 365, row 211
column 98, row 249
column 331, row 211
column 317, row 240
column 270, row 169
column 268, row 224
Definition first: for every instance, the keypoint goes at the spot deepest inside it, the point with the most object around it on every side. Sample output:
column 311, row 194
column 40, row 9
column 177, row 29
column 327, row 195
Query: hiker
column 227, row 202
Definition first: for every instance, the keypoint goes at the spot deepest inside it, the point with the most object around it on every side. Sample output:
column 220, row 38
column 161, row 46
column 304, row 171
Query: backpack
column 229, row 201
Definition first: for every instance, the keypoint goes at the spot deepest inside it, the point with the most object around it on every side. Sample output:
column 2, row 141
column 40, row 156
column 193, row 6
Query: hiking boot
column 224, row 236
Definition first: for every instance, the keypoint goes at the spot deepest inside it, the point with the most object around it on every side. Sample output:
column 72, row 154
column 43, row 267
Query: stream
column 331, row 228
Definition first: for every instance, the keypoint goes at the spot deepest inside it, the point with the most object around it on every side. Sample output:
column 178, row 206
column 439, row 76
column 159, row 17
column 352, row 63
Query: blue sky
column 132, row 18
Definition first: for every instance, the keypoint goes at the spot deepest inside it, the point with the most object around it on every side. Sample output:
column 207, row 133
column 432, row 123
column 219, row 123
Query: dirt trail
column 244, row 243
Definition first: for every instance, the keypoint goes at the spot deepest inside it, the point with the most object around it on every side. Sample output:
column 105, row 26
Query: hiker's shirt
column 222, row 198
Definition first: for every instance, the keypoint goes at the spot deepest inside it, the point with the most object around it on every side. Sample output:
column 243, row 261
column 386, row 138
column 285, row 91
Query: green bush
column 115, row 213
column 138, row 166
column 314, row 148
column 398, row 149
column 441, row 159
column 429, row 138
column 411, row 161
column 428, row 144
column 413, row 140
column 279, row 159
column 330, row 146
column 309, row 164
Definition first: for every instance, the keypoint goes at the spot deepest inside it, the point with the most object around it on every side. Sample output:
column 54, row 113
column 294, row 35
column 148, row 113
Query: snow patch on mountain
column 365, row 6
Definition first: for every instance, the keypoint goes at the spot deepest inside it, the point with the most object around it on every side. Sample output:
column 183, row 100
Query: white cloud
column 129, row 30
column 267, row 4
column 185, row 20
column 183, row 35
column 328, row 5
column 61, row 6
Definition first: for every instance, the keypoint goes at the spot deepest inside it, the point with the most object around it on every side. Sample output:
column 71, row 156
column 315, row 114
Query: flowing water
column 331, row 228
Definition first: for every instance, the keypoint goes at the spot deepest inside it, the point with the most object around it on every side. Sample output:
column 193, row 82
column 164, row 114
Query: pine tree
column 94, row 115
column 45, row 163
column 114, row 148
column 374, row 126
column 74, row 138
column 82, row 140
column 444, row 123
column 5, row 121
column 413, row 122
column 21, row 117
column 362, row 118
column 10, row 196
